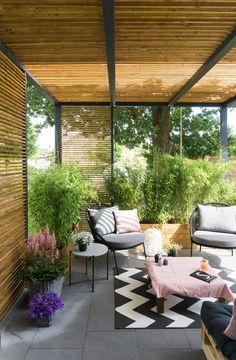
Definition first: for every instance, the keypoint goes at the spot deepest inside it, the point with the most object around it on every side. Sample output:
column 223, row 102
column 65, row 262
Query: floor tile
column 194, row 338
column 110, row 345
column 161, row 339
column 54, row 354
column 171, row 355
column 13, row 347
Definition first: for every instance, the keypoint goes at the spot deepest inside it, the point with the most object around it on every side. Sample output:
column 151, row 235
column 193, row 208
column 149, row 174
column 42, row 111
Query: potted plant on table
column 83, row 239
column 44, row 267
column 42, row 306
column 172, row 248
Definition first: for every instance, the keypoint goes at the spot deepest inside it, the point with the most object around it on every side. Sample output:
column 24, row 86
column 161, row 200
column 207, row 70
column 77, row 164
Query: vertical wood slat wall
column 86, row 139
column 13, row 183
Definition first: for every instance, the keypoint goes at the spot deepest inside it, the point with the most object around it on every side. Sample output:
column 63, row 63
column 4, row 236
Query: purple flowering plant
column 44, row 304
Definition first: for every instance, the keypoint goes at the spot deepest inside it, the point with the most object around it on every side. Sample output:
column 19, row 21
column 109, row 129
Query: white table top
column 92, row 250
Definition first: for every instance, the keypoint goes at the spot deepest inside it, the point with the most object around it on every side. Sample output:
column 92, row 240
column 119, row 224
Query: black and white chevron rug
column 135, row 303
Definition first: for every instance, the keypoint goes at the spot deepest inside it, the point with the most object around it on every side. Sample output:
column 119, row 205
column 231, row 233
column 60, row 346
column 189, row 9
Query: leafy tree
column 32, row 136
column 201, row 136
column 39, row 105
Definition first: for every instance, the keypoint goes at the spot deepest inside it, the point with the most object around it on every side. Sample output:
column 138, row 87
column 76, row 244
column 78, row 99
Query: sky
column 46, row 139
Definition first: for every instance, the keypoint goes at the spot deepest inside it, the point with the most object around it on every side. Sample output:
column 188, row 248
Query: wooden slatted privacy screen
column 12, row 181
column 86, row 139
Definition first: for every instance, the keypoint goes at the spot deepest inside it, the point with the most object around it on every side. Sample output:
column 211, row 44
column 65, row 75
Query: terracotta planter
column 179, row 233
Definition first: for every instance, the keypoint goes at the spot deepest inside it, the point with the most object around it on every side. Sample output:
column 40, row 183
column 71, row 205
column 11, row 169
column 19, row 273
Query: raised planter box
column 179, row 233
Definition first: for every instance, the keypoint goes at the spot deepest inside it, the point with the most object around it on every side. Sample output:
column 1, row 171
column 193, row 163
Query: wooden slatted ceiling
column 165, row 43
column 12, row 181
column 62, row 44
column 65, row 39
column 74, row 82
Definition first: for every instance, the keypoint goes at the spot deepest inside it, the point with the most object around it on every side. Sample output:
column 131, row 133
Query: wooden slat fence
column 86, row 139
column 13, row 184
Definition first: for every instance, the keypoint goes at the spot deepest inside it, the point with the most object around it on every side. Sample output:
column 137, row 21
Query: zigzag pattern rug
column 135, row 303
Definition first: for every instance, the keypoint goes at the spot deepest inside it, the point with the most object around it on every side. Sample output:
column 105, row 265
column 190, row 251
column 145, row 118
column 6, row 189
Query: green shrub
column 179, row 185
column 56, row 196
column 125, row 187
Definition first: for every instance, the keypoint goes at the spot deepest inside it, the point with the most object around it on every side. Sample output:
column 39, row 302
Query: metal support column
column 224, row 133
column 112, row 136
column 58, row 142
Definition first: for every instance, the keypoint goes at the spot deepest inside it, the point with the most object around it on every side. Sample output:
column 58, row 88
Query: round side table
column 93, row 250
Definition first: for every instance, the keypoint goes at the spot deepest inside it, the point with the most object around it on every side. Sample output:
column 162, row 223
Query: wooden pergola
column 103, row 53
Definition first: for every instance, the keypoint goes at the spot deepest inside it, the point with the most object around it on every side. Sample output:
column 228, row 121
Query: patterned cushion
column 126, row 221
column 230, row 331
column 103, row 220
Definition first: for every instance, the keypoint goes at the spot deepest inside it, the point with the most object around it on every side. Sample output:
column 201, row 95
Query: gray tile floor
column 84, row 330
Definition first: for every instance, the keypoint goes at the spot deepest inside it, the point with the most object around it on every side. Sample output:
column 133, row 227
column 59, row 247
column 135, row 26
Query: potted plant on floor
column 42, row 306
column 44, row 268
column 56, row 196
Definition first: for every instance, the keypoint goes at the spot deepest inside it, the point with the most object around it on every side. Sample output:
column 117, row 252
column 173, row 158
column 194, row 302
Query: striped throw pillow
column 127, row 221
column 103, row 220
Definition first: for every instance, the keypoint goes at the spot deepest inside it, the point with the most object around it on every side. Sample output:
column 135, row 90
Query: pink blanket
column 175, row 279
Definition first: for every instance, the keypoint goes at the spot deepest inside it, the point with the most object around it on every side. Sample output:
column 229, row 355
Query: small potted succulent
column 42, row 306
column 172, row 248
column 83, row 239
column 204, row 265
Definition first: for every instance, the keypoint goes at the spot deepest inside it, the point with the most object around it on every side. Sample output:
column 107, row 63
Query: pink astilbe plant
column 43, row 245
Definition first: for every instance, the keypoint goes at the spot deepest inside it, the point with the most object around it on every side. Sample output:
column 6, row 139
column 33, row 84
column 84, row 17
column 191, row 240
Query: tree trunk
column 161, row 132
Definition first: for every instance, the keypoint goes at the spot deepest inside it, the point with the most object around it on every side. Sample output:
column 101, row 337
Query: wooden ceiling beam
column 108, row 7
column 218, row 54
column 139, row 103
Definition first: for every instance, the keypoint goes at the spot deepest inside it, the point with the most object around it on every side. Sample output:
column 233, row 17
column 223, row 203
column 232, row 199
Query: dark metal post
column 224, row 133
column 58, row 142
column 26, row 161
column 112, row 136
column 108, row 7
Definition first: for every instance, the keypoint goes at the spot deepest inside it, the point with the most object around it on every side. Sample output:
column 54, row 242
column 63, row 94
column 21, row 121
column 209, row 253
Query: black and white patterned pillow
column 103, row 220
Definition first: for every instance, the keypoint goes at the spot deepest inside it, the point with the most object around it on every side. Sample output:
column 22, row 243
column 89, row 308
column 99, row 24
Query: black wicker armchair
column 112, row 240
column 211, row 238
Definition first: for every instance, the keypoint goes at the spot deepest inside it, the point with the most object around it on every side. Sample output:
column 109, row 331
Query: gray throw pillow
column 217, row 218
column 103, row 220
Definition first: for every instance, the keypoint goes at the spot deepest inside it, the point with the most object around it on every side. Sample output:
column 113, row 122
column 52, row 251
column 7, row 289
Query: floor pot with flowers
column 44, row 267
column 42, row 306
column 82, row 240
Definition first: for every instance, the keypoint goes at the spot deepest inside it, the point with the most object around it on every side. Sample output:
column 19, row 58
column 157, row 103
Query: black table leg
column 86, row 266
column 107, row 264
column 70, row 256
column 93, row 275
